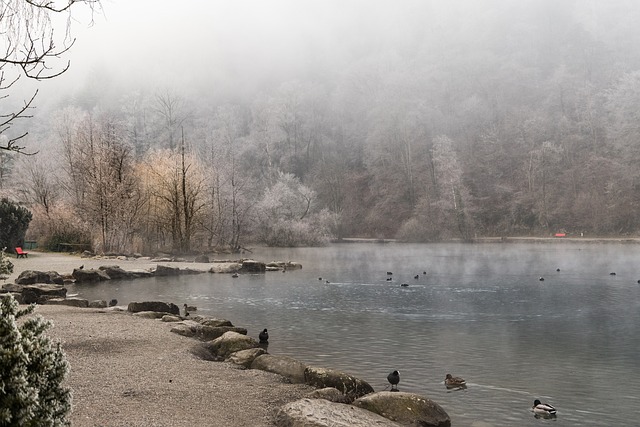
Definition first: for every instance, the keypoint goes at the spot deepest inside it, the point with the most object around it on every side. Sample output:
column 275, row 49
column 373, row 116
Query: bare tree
column 31, row 48
column 171, row 112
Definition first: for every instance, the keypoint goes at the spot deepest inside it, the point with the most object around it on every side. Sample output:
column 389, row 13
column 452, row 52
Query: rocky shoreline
column 337, row 398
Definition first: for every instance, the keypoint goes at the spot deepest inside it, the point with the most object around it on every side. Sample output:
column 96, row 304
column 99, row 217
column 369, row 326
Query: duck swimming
column 452, row 382
column 543, row 409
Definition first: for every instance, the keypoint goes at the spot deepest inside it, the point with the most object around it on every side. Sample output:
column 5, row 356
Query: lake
column 479, row 311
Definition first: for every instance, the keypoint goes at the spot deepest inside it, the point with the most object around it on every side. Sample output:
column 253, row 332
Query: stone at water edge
column 322, row 413
column 245, row 358
column 228, row 343
column 158, row 306
column 288, row 367
column 348, row 384
column 405, row 408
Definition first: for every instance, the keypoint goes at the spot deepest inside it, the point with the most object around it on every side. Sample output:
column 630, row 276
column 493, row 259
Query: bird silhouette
column 263, row 336
column 394, row 379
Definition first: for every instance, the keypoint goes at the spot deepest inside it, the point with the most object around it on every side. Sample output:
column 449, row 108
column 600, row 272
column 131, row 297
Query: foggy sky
column 235, row 49
column 228, row 46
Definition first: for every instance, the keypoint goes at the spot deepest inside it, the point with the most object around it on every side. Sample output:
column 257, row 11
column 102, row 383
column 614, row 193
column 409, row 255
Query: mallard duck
column 190, row 308
column 394, row 379
column 263, row 336
column 452, row 382
column 543, row 409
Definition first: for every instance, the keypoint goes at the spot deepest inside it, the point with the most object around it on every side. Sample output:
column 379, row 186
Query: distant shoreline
column 503, row 239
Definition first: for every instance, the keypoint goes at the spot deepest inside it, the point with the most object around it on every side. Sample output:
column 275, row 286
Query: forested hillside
column 514, row 118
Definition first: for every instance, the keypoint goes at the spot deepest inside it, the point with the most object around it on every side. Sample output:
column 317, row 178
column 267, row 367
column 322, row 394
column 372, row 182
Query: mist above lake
column 480, row 312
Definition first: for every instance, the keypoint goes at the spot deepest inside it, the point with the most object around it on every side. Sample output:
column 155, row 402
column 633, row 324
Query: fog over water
column 479, row 312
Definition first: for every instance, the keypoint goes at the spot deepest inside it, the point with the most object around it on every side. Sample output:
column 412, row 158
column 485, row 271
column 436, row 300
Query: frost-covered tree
column 32, row 371
column 6, row 266
column 285, row 215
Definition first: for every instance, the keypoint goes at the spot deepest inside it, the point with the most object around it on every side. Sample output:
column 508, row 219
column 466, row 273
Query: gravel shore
column 129, row 371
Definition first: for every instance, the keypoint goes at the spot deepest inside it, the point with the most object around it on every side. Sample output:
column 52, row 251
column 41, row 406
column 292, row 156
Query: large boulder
column 288, row 367
column 12, row 287
column 90, row 275
column 225, row 267
column 158, row 306
column 163, row 270
column 228, row 343
column 210, row 321
column 347, row 384
column 40, row 293
column 205, row 333
column 30, row 277
column 322, row 413
column 73, row 302
column 99, row 303
column 331, row 394
column 115, row 272
column 284, row 265
column 245, row 358
column 405, row 408
column 251, row 266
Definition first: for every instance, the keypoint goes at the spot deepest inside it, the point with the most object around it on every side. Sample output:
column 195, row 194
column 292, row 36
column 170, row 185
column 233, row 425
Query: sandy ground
column 65, row 263
column 128, row 371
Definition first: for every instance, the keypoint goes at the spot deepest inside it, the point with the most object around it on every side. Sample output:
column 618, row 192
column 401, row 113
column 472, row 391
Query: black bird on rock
column 264, row 336
column 394, row 379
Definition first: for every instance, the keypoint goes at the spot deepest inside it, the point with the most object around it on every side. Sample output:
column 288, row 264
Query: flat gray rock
column 322, row 413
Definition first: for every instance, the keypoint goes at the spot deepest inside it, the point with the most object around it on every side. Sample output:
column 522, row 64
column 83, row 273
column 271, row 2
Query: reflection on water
column 479, row 312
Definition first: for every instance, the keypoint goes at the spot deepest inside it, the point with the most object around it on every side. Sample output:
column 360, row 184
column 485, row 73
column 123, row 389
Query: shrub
column 32, row 370
column 60, row 225
column 6, row 266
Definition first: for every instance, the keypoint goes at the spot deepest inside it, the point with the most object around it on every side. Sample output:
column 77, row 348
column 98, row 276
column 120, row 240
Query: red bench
column 21, row 253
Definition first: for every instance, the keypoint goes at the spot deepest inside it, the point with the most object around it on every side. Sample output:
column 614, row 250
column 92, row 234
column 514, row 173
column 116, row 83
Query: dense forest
column 518, row 118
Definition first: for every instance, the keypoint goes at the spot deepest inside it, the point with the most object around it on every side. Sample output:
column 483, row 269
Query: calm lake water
column 479, row 312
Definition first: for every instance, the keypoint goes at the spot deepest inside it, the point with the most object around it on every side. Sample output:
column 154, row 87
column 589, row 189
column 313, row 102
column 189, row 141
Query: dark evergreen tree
column 14, row 222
